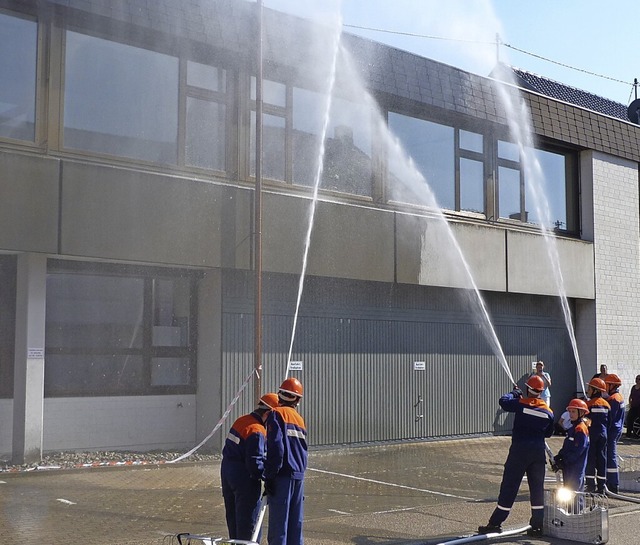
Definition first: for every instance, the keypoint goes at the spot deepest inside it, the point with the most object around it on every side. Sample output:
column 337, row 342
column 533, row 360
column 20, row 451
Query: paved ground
column 378, row 495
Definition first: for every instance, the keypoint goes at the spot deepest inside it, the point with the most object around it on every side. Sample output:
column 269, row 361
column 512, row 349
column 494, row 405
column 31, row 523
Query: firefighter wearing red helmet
column 616, row 423
column 242, row 469
column 572, row 457
column 285, row 466
column 596, row 472
column 533, row 422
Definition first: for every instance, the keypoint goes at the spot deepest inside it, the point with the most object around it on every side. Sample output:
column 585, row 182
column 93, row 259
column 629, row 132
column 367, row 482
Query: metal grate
column 583, row 517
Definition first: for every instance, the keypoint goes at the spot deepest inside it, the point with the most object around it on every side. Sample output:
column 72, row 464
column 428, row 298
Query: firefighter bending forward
column 285, row 465
column 533, row 422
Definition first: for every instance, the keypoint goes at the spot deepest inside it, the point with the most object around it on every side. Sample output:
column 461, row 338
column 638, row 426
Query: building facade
column 127, row 175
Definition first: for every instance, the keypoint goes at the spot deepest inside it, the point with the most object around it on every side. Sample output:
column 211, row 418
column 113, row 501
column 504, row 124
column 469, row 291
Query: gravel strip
column 76, row 460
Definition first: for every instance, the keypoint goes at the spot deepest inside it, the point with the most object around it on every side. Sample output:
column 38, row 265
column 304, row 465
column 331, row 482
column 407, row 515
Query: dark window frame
column 147, row 351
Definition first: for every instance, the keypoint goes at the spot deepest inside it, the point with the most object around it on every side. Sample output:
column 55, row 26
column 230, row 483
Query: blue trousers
column 613, row 478
column 241, row 496
column 286, row 511
column 596, row 473
column 522, row 459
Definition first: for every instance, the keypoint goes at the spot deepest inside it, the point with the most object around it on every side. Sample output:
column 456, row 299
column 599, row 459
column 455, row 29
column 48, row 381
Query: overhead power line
column 496, row 43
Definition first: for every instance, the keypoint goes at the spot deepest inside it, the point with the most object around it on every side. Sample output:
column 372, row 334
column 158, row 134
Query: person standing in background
column 546, row 377
column 634, row 407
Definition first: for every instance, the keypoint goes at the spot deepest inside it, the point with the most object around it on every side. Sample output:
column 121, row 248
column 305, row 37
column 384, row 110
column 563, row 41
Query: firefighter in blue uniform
column 533, row 422
column 616, row 423
column 285, row 465
column 572, row 457
column 596, row 473
column 242, row 469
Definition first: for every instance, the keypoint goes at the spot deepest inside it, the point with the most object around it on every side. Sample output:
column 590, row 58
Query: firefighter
column 596, row 473
column 572, row 457
column 533, row 422
column 285, row 465
column 616, row 423
column 242, row 468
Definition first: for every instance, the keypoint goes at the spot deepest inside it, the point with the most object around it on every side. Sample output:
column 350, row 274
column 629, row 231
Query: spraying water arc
column 316, row 183
column 521, row 132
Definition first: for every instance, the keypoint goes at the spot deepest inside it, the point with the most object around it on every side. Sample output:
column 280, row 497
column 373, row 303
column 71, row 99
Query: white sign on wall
column 35, row 353
column 419, row 366
column 295, row 366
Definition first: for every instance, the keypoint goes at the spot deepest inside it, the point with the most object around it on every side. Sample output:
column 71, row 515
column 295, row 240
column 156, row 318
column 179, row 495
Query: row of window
column 130, row 102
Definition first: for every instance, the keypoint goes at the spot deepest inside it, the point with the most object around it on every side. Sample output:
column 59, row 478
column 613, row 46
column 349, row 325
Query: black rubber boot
column 490, row 529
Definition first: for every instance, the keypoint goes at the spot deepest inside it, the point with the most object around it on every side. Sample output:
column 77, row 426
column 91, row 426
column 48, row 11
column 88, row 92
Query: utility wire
column 498, row 42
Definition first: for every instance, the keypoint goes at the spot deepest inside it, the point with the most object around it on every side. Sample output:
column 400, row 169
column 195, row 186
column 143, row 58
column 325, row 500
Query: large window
column 119, row 335
column 538, row 188
column 430, row 146
column 18, row 59
column 120, row 100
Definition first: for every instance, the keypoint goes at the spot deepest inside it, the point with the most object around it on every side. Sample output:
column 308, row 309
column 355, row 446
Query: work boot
column 490, row 529
column 534, row 532
column 613, row 488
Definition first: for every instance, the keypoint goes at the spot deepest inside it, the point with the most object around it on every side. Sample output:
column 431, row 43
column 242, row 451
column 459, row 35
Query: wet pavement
column 400, row 494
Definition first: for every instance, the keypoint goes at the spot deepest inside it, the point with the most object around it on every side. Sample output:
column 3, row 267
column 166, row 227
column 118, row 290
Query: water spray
column 316, row 185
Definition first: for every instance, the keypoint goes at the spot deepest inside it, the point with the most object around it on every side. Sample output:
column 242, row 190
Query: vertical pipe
column 257, row 248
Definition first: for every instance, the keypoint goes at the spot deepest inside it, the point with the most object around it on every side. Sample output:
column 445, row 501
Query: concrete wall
column 122, row 423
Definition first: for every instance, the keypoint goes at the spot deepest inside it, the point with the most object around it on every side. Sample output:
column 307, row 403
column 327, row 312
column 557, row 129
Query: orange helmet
column 578, row 404
column 268, row 401
column 535, row 383
column 290, row 389
column 598, row 384
column 613, row 379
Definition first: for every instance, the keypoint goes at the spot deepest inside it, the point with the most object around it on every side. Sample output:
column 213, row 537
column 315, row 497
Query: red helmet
column 613, row 379
column 598, row 384
column 578, row 404
column 268, row 401
column 535, row 383
column 290, row 389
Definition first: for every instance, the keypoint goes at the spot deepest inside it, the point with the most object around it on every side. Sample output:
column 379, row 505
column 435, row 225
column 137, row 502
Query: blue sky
column 590, row 36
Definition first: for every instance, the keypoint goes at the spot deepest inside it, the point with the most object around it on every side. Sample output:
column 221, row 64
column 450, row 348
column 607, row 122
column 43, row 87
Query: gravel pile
column 75, row 460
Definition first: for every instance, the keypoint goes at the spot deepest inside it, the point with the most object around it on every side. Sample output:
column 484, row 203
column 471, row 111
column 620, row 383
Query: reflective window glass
column 273, row 92
column 18, row 44
column 431, row 148
column 205, row 134
column 472, row 185
column 206, row 77
column 471, row 141
column 545, row 190
column 508, row 150
column 118, row 335
column 273, row 146
column 509, row 193
column 113, row 93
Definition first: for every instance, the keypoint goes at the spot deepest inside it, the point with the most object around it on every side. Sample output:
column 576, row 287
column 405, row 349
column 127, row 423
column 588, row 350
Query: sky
column 588, row 44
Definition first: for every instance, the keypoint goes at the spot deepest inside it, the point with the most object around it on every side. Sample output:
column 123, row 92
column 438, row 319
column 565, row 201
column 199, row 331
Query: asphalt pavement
column 400, row 494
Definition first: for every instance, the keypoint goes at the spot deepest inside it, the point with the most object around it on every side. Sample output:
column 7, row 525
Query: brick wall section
column 617, row 267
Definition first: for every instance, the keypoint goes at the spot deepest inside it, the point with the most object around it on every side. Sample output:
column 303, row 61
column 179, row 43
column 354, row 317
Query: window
column 19, row 45
column 205, row 133
column 472, row 172
column 543, row 193
column 274, row 115
column 118, row 335
column 112, row 96
column 431, row 149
